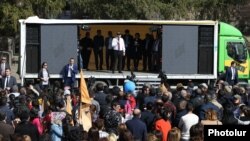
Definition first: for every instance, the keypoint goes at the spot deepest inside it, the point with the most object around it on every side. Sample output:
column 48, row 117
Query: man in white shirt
column 119, row 51
column 187, row 121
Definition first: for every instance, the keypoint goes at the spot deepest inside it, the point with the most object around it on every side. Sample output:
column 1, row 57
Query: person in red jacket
column 163, row 123
column 131, row 100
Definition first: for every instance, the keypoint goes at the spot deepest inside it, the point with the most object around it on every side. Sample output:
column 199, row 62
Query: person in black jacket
column 98, row 49
column 109, row 51
column 86, row 44
column 27, row 128
column 8, row 81
column 128, row 40
column 232, row 74
column 137, row 50
column 6, row 129
column 147, row 52
column 137, row 127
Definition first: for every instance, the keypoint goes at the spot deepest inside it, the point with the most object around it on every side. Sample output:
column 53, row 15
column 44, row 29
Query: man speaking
column 119, row 51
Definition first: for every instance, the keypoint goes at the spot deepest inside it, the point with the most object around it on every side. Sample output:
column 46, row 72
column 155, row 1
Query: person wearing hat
column 119, row 51
column 68, row 102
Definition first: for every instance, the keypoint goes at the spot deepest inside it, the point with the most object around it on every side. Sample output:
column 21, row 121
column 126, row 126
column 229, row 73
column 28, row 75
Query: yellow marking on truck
column 243, row 68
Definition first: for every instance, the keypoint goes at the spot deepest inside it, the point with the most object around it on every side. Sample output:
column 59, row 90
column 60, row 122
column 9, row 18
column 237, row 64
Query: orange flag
column 84, row 110
column 84, row 90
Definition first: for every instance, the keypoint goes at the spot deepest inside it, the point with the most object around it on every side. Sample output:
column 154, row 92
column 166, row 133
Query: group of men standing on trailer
column 121, row 49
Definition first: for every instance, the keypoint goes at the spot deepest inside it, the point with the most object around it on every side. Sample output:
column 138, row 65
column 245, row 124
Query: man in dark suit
column 157, row 53
column 86, row 43
column 147, row 52
column 137, row 127
column 232, row 74
column 109, row 51
column 98, row 49
column 128, row 40
column 4, row 107
column 8, row 81
column 148, row 117
column 69, row 73
column 137, row 50
column 4, row 65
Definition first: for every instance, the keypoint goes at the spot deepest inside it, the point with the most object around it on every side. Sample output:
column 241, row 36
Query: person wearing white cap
column 66, row 92
column 68, row 101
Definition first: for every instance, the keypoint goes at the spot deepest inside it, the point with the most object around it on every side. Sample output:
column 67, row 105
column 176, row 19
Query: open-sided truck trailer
column 191, row 50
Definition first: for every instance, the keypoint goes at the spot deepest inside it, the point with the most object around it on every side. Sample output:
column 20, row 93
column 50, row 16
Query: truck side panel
column 180, row 49
column 58, row 44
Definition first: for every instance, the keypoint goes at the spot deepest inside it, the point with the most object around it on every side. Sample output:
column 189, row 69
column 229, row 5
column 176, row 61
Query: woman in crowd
column 196, row 132
column 244, row 113
column 43, row 76
column 174, row 134
column 211, row 118
column 56, row 130
column 93, row 134
column 126, row 135
column 35, row 120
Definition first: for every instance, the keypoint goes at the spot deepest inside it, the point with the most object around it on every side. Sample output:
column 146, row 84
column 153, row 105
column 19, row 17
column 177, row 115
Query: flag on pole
column 84, row 109
column 84, row 90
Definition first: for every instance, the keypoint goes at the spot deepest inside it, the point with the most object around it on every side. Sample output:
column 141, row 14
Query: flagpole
column 84, row 111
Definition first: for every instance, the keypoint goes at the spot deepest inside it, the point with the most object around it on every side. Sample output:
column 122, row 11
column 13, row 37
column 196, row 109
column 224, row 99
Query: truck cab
column 232, row 47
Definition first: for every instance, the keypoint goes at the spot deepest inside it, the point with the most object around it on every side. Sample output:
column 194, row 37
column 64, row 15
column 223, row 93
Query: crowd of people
column 121, row 50
column 44, row 112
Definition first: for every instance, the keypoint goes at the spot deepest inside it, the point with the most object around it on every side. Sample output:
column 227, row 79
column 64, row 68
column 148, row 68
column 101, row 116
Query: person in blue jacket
column 69, row 73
